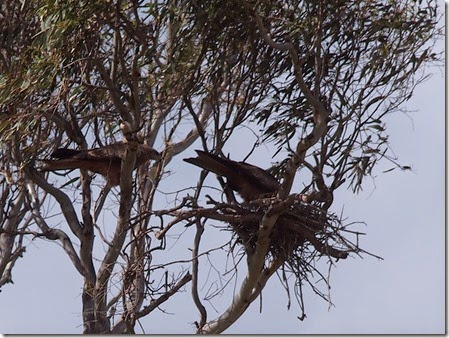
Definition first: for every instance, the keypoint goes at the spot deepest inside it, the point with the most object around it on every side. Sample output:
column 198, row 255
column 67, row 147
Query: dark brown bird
column 105, row 160
column 249, row 181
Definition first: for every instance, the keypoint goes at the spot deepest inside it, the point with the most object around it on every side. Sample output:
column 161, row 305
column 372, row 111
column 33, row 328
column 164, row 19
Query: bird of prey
column 105, row 160
column 249, row 181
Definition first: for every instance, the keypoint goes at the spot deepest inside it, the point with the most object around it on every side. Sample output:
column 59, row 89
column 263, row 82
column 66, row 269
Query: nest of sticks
column 301, row 225
column 301, row 233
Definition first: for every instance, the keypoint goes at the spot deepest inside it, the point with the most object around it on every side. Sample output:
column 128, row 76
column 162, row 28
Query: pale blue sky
column 405, row 224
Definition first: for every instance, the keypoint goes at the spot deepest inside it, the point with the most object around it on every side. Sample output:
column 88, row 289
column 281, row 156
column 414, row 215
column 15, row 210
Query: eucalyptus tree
column 312, row 80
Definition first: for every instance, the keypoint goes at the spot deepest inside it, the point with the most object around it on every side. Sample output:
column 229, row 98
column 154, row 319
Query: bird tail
column 218, row 165
column 64, row 160
column 63, row 153
column 63, row 164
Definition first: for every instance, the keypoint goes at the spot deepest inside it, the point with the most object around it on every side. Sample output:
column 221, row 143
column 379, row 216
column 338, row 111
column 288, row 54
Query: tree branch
column 321, row 114
column 195, row 269
column 54, row 234
column 121, row 325
column 7, row 258
column 249, row 285
column 113, row 252
column 64, row 201
column 87, row 241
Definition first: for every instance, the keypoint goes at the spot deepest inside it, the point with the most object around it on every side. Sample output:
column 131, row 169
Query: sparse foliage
column 313, row 80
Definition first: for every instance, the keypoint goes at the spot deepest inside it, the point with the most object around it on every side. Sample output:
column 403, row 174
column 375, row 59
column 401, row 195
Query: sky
column 404, row 293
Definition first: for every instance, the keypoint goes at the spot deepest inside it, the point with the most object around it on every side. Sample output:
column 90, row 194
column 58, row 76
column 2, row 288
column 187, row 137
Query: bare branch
column 54, row 234
column 64, row 201
column 121, row 325
column 195, row 276
column 256, row 261
column 8, row 256
column 123, row 219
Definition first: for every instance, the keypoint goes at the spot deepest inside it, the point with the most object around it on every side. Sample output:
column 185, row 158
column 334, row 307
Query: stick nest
column 298, row 227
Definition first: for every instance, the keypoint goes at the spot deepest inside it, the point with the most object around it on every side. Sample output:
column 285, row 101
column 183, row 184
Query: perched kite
column 105, row 160
column 249, row 181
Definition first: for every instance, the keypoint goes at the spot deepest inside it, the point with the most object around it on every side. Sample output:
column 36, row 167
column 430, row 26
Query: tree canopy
column 310, row 80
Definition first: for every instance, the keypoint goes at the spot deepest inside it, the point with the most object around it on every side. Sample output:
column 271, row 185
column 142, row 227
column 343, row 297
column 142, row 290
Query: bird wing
column 218, row 165
column 96, row 160
column 109, row 168
column 117, row 152
column 248, row 180
column 256, row 176
column 111, row 152
column 103, row 160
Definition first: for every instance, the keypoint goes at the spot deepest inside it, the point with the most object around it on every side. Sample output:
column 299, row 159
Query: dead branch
column 120, row 326
column 195, row 276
